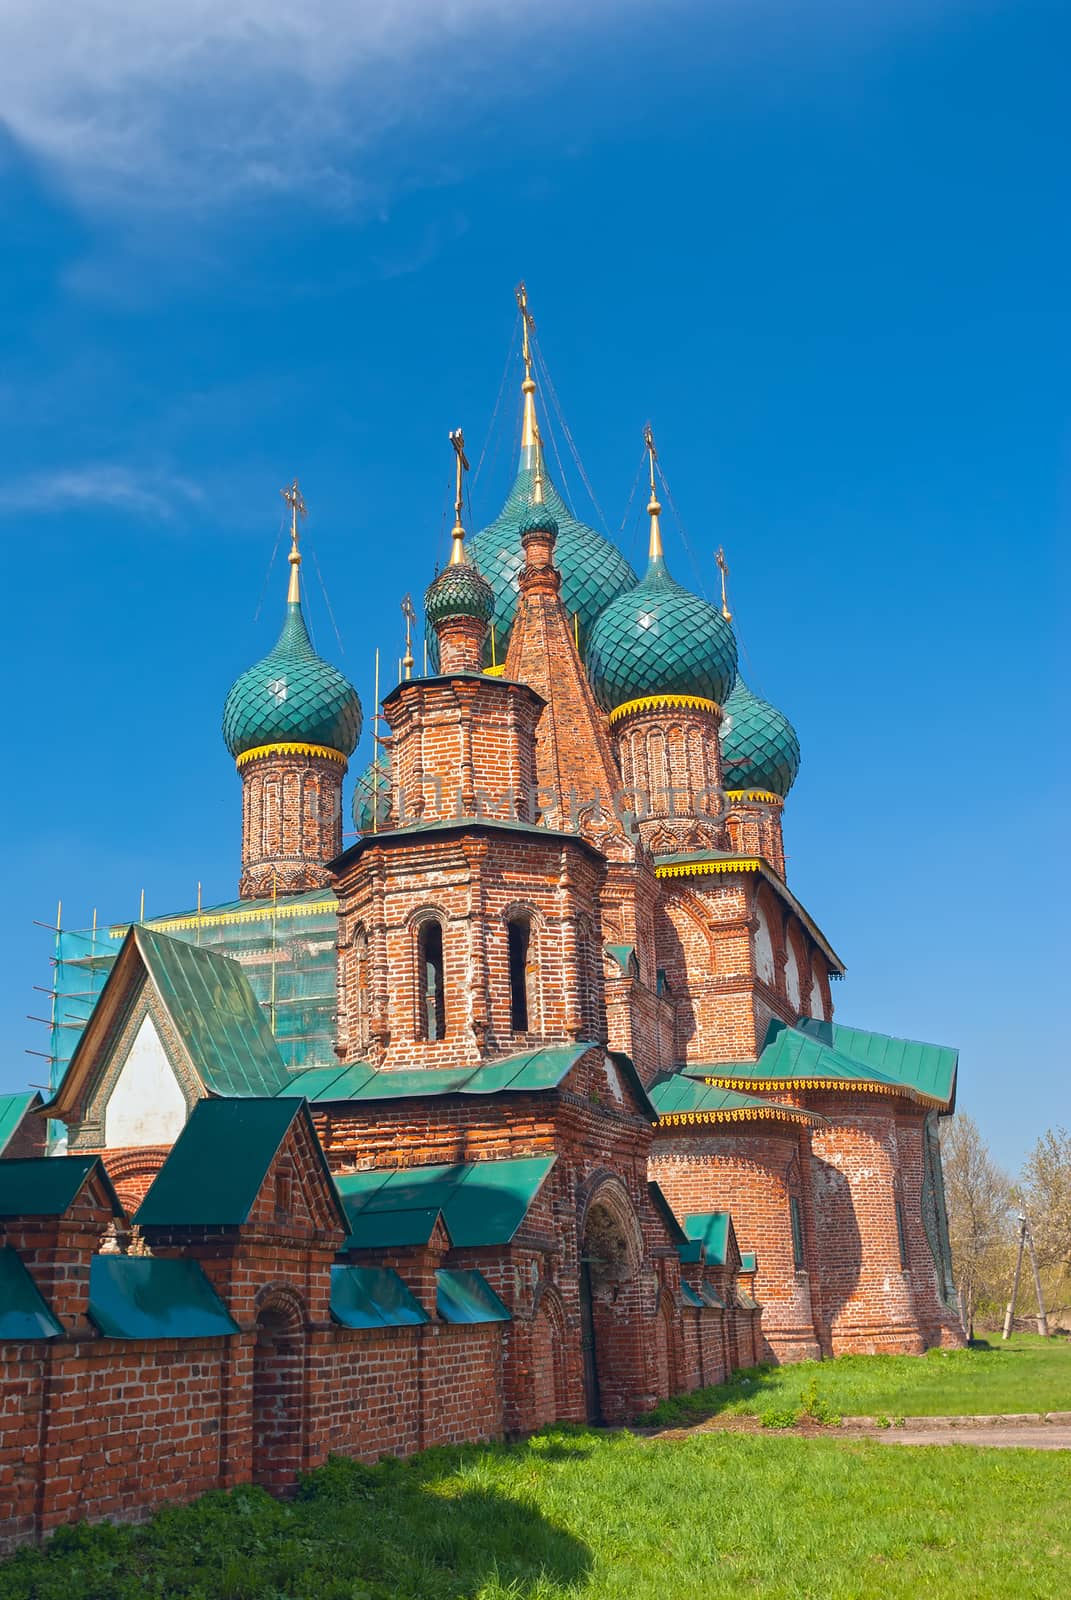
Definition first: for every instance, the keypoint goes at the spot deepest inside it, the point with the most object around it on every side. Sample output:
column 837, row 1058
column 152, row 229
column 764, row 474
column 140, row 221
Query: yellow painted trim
column 320, row 750
column 688, row 869
column 675, row 1119
column 847, row 1085
column 765, row 796
column 668, row 702
column 267, row 912
column 495, row 672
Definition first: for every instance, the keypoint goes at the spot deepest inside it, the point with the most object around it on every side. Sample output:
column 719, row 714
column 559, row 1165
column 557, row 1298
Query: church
column 527, row 1105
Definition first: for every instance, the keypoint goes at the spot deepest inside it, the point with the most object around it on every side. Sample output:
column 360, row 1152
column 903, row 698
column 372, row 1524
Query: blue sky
column 824, row 248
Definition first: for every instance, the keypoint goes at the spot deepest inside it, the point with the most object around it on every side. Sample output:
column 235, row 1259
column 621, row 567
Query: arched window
column 430, row 976
column 520, row 935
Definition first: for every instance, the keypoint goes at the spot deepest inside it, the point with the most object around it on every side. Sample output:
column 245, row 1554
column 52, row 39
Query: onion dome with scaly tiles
column 760, row 750
column 292, row 696
column 660, row 640
column 371, row 798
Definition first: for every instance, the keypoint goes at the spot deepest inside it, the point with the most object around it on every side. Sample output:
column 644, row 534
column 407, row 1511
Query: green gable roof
column 219, row 1162
column 46, row 1186
column 373, row 1297
column 711, row 1230
column 24, row 1313
column 145, row 1297
column 216, row 1014
column 13, row 1107
column 481, row 1202
column 929, row 1068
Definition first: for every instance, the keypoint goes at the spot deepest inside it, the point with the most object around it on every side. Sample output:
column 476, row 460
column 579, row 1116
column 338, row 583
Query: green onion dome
column 371, row 795
column 593, row 570
column 659, row 639
column 292, row 697
column 459, row 591
column 539, row 518
column 759, row 746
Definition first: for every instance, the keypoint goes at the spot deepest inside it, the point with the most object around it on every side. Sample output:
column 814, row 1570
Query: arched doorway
column 278, row 1393
column 611, row 1313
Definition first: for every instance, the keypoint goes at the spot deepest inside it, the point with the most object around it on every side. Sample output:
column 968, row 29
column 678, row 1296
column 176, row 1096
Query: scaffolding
column 286, row 946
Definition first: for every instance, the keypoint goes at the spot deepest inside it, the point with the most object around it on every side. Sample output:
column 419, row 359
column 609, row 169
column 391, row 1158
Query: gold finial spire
column 723, row 568
column 457, row 550
column 529, row 429
column 654, row 509
column 537, row 491
column 410, row 617
column 293, row 497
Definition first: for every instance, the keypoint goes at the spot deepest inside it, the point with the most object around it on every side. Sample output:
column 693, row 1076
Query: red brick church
column 528, row 1105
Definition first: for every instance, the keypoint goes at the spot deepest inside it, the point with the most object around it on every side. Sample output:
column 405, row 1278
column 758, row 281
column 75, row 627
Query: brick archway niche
column 612, row 1281
column 278, row 1392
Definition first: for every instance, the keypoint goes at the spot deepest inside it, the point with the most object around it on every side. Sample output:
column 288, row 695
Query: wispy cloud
column 189, row 102
column 147, row 493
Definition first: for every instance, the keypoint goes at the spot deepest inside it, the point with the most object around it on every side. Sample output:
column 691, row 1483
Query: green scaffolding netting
column 286, row 947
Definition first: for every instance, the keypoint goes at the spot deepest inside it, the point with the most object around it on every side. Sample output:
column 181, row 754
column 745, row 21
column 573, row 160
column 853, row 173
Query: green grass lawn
column 1026, row 1374
column 588, row 1515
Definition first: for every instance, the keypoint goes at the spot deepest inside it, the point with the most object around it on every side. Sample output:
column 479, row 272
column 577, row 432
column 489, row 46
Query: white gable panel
column 147, row 1105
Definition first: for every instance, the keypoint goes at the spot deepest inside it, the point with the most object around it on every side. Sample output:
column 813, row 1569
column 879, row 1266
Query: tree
column 1046, row 1196
column 979, row 1199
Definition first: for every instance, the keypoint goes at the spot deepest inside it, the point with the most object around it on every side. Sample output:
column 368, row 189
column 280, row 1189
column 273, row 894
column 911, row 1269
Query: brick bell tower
column 291, row 722
column 467, row 929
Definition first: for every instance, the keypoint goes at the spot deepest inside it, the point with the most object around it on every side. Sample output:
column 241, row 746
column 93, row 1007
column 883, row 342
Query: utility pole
column 1026, row 1242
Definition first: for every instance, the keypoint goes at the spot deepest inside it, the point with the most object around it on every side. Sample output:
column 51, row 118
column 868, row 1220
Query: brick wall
column 291, row 821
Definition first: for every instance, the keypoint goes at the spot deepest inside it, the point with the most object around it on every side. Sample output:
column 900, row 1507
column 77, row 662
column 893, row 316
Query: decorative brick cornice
column 826, row 1085
column 771, row 1113
column 318, row 751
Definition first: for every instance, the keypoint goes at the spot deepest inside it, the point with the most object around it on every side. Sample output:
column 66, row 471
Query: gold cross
column 723, row 568
column 457, row 549
column 294, row 499
column 527, row 326
column 410, row 617
column 652, row 456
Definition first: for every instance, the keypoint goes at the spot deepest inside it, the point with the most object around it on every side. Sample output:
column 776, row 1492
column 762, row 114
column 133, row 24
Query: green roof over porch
column 481, row 1202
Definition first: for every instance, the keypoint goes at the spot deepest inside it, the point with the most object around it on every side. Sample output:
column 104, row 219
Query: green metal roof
column 24, row 1312
column 218, row 1163
column 625, row 956
column 150, row 1297
column 711, row 1229
column 666, row 1212
column 292, row 695
column 373, row 1297
column 658, row 638
column 46, row 1186
column 533, row 1070
column 691, row 1252
column 929, row 1068
column 747, row 1261
column 710, row 1297
column 681, row 1094
column 792, row 1054
column 593, row 570
column 13, row 1107
column 759, row 746
column 481, row 1202
column 216, row 1014
column 408, row 1228
column 689, row 1296
column 467, row 1297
